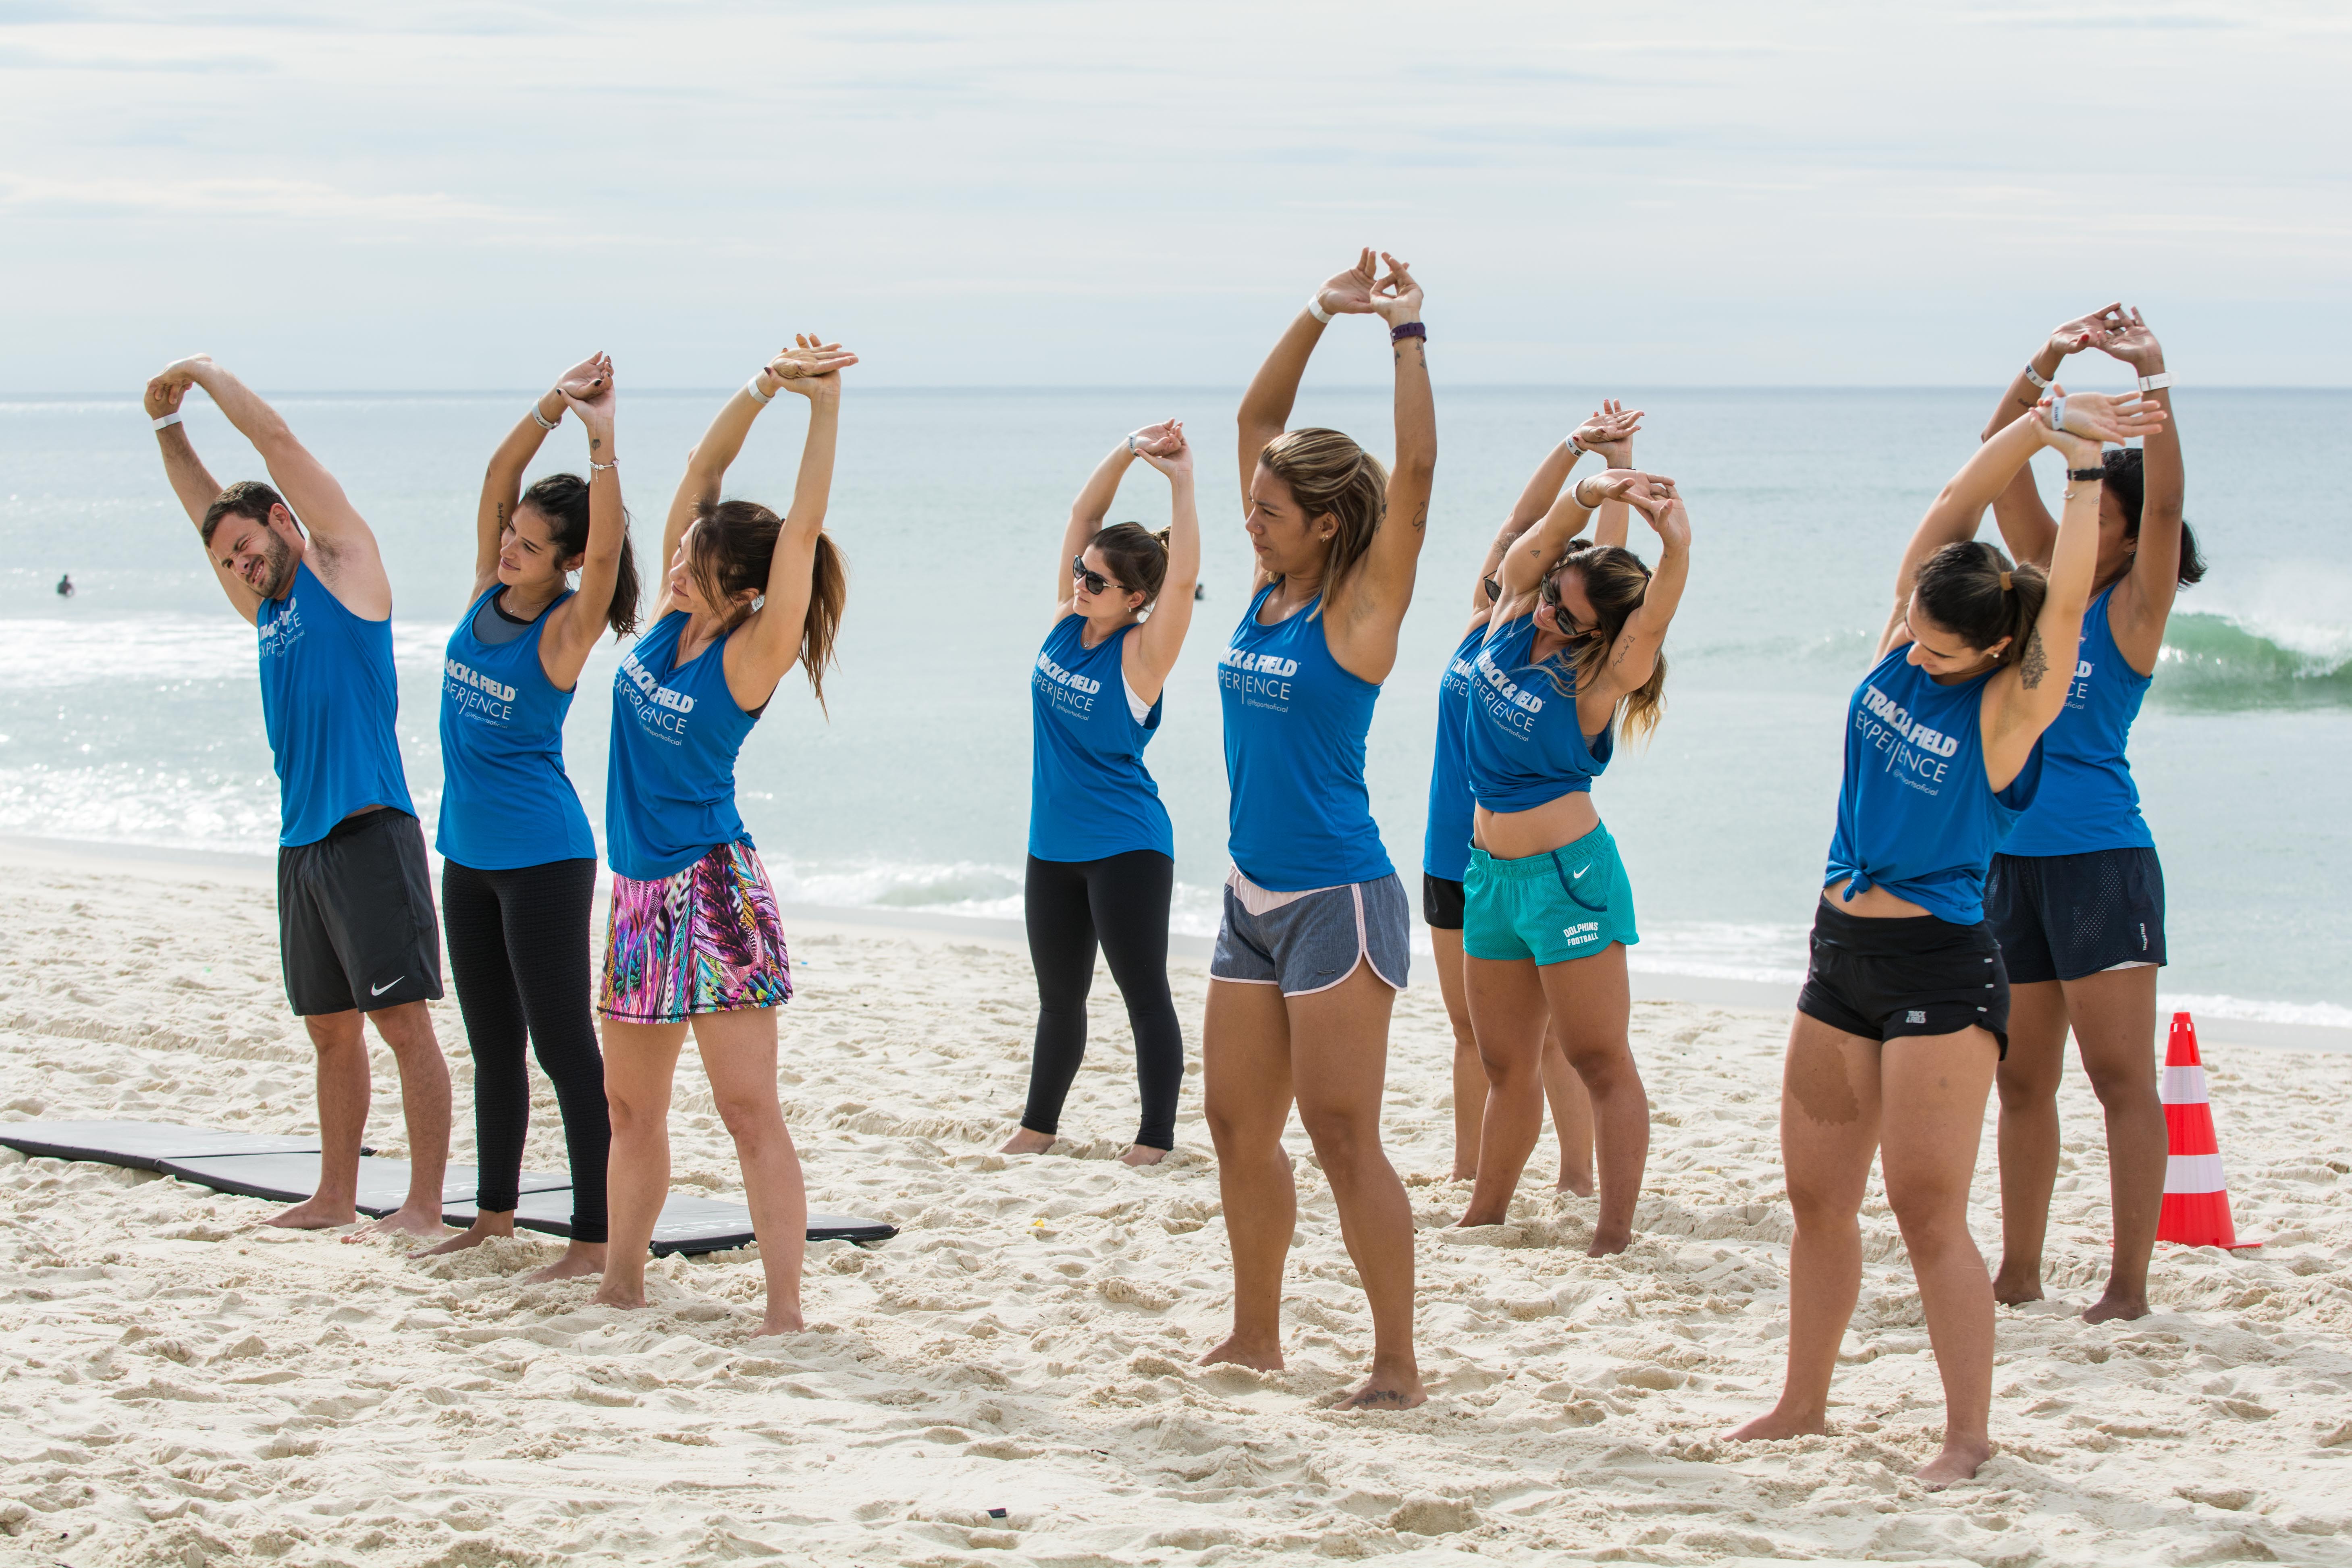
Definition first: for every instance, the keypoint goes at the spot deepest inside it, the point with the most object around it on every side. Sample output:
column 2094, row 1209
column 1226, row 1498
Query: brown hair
column 1970, row 589
column 1137, row 559
column 730, row 548
column 1618, row 584
column 1327, row 472
column 563, row 500
column 248, row 499
column 2127, row 480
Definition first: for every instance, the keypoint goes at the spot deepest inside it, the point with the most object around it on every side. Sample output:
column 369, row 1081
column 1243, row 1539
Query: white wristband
column 166, row 422
column 752, row 386
column 1315, row 308
column 1569, row 441
column 2156, row 383
column 1575, row 494
column 2034, row 376
column 544, row 422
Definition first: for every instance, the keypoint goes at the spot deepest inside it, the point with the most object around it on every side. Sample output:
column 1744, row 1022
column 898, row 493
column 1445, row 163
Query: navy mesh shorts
column 2062, row 917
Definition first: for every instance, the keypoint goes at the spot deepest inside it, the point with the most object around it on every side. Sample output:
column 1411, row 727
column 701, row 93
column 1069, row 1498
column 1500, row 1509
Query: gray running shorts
column 1314, row 941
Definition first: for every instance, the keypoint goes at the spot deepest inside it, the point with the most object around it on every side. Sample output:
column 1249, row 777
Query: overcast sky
column 332, row 195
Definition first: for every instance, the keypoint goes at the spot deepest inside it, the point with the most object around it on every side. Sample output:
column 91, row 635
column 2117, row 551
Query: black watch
column 2097, row 473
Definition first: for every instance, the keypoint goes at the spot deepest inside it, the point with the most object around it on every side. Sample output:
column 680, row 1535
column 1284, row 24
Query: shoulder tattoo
column 2036, row 664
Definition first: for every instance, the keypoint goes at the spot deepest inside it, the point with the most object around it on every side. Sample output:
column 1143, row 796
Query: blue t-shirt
column 1525, row 746
column 1090, row 797
column 1915, row 814
column 329, row 701
column 1299, row 815
column 669, row 794
column 506, row 800
column 1445, row 847
column 2087, row 800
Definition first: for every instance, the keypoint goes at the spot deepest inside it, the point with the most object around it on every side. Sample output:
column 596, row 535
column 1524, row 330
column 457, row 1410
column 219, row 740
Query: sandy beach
column 179, row 1387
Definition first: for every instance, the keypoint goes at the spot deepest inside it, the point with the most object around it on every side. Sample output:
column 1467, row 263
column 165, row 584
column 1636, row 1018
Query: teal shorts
column 1571, row 903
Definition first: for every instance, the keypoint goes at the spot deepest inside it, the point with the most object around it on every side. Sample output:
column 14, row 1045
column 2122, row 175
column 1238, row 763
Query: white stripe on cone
column 2193, row 1173
column 2185, row 1086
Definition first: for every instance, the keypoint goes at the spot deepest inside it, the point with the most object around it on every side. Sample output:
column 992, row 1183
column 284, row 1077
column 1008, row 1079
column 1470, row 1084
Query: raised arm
column 1609, row 433
column 341, row 548
column 1266, row 407
column 2026, row 526
column 2144, row 602
column 194, row 484
column 771, row 643
column 1537, row 552
column 502, row 481
column 1634, row 652
column 1957, row 511
column 1163, row 637
column 1086, row 514
column 1382, row 589
column 1608, row 430
column 575, row 624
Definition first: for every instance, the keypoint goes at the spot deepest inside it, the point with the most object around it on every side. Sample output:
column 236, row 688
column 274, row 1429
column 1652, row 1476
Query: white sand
column 179, row 1386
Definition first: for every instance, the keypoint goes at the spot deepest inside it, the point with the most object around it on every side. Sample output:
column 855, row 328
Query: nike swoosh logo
column 380, row 990
column 1578, row 876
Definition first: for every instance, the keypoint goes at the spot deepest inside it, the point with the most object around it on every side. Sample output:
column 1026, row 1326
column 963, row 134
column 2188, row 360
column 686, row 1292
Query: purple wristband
column 1410, row 330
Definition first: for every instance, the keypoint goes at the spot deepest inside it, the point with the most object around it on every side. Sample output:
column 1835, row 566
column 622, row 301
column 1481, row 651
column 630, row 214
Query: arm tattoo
column 596, row 443
column 502, row 515
column 1420, row 517
column 2036, row 664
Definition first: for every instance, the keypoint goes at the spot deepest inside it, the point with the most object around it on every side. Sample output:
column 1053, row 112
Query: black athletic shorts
column 1916, row 975
column 2062, row 917
column 1441, row 902
column 355, row 920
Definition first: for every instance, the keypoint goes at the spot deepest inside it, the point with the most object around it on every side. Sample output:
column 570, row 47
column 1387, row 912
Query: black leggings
column 1123, row 900
column 518, row 950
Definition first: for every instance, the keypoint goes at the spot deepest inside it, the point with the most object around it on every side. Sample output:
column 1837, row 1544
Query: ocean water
column 131, row 713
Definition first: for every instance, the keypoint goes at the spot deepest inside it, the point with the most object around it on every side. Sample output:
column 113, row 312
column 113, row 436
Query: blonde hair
column 1618, row 584
column 1327, row 472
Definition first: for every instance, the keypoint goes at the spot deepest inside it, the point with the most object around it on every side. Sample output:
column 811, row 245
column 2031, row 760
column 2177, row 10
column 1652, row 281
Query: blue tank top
column 1299, row 815
column 505, row 799
column 2087, row 800
column 1445, row 847
column 1089, row 795
column 669, row 794
column 1525, row 748
column 329, row 699
column 1916, row 815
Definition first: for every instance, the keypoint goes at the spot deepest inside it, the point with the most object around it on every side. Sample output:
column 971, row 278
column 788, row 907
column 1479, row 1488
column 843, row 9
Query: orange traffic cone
column 2196, row 1197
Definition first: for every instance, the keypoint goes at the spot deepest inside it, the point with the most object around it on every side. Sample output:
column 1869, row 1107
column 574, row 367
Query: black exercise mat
column 692, row 1224
column 141, row 1145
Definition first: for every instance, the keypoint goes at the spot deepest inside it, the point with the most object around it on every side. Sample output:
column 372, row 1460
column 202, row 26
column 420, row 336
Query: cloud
column 292, row 200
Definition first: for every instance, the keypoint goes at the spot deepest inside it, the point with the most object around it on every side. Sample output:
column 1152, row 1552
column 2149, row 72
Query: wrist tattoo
column 2036, row 664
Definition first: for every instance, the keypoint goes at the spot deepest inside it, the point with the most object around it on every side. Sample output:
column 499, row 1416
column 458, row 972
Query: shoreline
column 1651, row 985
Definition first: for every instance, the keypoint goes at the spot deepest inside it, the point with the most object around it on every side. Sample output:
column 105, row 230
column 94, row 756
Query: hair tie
column 2004, row 582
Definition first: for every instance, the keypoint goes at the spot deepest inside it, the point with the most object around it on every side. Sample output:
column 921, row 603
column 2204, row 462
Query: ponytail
column 1137, row 559
column 732, row 546
column 1970, row 589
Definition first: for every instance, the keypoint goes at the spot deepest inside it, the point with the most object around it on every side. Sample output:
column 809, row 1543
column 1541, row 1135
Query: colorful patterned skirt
column 705, row 940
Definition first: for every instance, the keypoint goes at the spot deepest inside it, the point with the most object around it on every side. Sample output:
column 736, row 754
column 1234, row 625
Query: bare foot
column 608, row 1294
column 1387, row 1390
column 314, row 1213
column 425, row 1223
column 484, row 1227
column 1472, row 1219
column 2114, row 1305
column 1462, row 1175
column 1027, row 1142
column 1778, row 1423
column 1142, row 1154
column 1573, row 1182
column 579, row 1258
column 1238, row 1352
column 1956, row 1463
column 779, row 1320
column 1609, row 1243
column 2015, row 1287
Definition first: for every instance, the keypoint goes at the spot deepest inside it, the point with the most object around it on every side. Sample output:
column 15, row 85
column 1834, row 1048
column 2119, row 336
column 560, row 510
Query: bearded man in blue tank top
column 1573, row 648
column 694, row 937
column 1452, row 814
column 1102, row 855
column 1904, row 1011
column 519, row 867
column 1314, row 942
column 2076, row 895
column 355, row 926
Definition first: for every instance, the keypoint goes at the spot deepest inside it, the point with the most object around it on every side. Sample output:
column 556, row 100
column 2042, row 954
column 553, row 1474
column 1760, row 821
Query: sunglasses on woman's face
column 1562, row 617
column 1095, row 581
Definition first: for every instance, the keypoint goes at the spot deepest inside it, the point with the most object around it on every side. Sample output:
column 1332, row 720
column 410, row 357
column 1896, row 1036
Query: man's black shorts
column 1883, row 979
column 2062, row 917
column 355, row 920
column 1441, row 902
